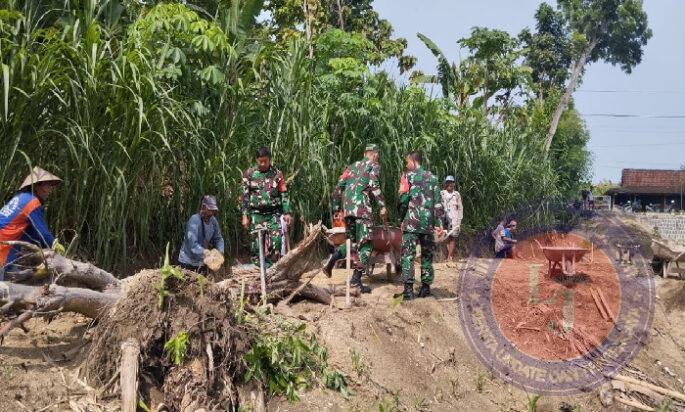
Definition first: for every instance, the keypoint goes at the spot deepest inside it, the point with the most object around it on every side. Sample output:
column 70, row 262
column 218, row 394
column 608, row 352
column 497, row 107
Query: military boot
column 425, row 290
column 408, row 291
column 330, row 263
column 356, row 282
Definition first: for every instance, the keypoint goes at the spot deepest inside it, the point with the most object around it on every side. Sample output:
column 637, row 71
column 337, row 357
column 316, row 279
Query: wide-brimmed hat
column 39, row 175
column 209, row 202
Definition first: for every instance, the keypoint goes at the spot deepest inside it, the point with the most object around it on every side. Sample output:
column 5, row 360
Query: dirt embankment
column 397, row 356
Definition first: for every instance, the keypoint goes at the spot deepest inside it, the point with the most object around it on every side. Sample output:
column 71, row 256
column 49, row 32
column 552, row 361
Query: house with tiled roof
column 659, row 189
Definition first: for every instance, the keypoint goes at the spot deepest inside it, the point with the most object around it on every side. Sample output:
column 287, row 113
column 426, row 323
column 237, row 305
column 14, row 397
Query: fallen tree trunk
column 86, row 289
column 52, row 298
column 192, row 335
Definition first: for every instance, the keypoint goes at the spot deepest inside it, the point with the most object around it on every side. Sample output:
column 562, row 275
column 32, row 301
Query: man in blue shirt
column 504, row 241
column 202, row 235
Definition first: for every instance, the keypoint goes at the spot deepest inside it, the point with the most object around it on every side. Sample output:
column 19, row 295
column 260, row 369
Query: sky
column 654, row 90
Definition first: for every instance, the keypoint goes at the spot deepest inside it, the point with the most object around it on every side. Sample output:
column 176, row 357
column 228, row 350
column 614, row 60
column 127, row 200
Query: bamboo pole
column 128, row 375
column 658, row 389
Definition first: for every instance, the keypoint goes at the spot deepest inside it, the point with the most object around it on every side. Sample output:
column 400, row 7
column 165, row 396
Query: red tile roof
column 652, row 181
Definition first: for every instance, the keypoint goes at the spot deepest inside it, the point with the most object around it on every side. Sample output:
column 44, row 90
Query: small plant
column 480, row 383
column 289, row 360
column 167, row 272
column 177, row 347
column 201, row 281
column 391, row 405
column 8, row 372
column 143, row 406
column 665, row 405
column 421, row 404
column 396, row 302
column 533, row 403
column 358, row 364
column 455, row 389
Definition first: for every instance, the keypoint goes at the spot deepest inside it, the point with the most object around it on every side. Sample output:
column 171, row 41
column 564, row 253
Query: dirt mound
column 529, row 314
column 192, row 322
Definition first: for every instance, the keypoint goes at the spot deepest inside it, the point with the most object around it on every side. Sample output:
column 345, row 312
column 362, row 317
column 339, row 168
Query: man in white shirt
column 454, row 213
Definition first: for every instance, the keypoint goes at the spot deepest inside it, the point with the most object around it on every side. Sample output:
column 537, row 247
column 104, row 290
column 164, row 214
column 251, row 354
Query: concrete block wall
column 671, row 227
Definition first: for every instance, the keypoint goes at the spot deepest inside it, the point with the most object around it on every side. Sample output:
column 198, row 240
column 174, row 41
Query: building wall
column 671, row 227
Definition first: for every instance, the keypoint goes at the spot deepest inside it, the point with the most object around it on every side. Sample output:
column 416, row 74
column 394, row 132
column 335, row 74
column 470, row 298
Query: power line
column 639, row 145
column 637, row 116
column 645, row 131
column 633, row 91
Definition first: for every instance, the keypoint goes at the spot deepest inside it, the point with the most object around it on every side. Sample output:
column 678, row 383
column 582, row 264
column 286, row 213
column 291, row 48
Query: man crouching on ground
column 202, row 235
column 421, row 212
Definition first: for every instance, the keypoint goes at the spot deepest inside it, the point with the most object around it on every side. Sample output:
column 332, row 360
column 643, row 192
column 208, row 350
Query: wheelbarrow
column 386, row 243
column 563, row 258
column 671, row 258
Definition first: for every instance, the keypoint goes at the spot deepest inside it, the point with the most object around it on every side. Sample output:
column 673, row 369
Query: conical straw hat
column 38, row 175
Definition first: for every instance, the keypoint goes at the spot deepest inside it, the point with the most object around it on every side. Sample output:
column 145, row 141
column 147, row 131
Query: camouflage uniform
column 358, row 183
column 264, row 199
column 421, row 211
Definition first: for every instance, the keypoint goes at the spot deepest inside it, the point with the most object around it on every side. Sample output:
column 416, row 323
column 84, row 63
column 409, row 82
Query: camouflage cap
column 371, row 147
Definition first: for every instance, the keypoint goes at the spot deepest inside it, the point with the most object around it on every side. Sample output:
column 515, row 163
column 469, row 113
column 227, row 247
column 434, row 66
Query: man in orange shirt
column 22, row 218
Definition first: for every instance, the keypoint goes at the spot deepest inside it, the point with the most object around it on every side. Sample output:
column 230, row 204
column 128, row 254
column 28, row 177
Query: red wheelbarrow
column 563, row 258
column 386, row 246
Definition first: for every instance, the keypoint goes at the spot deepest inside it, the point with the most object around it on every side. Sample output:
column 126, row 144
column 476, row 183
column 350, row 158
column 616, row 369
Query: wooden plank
column 606, row 307
column 598, row 304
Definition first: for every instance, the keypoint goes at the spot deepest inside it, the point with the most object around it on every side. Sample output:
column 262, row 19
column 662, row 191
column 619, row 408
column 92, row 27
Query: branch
column 87, row 302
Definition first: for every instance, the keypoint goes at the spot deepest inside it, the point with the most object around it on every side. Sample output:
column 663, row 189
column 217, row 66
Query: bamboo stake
column 128, row 373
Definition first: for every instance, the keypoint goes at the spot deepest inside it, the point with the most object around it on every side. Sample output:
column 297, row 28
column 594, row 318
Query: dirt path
column 409, row 356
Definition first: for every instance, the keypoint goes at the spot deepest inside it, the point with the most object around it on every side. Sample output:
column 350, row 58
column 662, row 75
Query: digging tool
column 262, row 263
column 348, row 259
column 284, row 237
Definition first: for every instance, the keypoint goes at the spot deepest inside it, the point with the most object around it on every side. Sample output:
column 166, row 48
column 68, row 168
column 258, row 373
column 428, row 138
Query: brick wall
column 671, row 227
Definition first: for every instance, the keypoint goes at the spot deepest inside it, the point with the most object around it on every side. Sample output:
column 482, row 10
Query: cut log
column 324, row 295
column 304, row 284
column 128, row 373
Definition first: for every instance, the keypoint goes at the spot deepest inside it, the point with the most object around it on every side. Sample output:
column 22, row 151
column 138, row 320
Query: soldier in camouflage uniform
column 352, row 198
column 263, row 200
column 421, row 212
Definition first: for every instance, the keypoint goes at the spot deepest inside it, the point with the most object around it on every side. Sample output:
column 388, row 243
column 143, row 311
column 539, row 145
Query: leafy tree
column 289, row 17
column 494, row 67
column 614, row 31
column 548, row 51
column 491, row 70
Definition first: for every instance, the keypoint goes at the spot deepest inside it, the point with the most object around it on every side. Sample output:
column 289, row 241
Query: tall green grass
column 139, row 132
